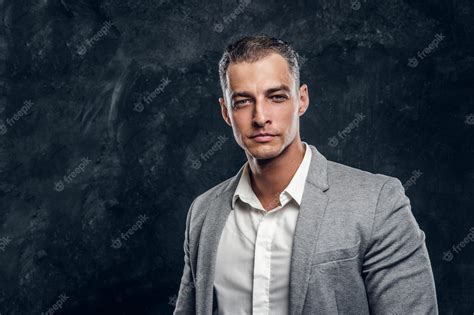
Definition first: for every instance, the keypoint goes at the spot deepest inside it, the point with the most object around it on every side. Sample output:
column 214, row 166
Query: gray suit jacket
column 357, row 249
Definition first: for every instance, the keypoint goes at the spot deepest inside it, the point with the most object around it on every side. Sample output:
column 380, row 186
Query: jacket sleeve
column 396, row 268
column 186, row 301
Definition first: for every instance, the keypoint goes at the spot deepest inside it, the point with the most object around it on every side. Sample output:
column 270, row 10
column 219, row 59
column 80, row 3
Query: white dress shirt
column 253, row 258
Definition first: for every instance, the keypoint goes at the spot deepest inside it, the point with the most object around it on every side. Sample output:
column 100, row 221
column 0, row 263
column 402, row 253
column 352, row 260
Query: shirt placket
column 262, row 265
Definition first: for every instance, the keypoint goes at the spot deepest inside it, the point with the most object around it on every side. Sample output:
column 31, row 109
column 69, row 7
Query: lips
column 261, row 134
column 263, row 137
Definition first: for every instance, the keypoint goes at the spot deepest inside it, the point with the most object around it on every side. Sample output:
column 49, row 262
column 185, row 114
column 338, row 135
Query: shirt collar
column 294, row 189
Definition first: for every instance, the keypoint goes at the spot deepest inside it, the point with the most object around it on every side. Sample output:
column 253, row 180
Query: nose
column 260, row 114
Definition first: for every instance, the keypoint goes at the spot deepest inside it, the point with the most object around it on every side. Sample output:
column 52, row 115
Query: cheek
column 288, row 116
column 239, row 122
column 289, row 123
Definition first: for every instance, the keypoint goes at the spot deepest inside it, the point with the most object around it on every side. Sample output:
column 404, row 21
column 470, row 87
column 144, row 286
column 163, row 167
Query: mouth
column 263, row 138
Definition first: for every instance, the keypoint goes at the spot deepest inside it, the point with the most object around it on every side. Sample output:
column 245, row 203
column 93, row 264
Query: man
column 294, row 233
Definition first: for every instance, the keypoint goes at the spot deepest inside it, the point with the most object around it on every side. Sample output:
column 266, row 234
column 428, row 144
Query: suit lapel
column 313, row 206
column 216, row 217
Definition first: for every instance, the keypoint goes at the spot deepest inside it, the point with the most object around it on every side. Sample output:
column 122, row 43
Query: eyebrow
column 271, row 90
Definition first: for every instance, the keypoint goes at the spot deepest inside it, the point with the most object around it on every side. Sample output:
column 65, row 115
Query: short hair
column 253, row 48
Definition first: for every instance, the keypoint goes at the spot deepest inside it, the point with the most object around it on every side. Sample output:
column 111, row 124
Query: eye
column 241, row 102
column 279, row 98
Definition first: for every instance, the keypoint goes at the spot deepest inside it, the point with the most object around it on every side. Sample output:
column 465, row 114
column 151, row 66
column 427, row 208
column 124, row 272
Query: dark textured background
column 86, row 104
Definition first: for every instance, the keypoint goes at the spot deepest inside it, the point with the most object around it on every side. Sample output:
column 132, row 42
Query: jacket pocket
column 336, row 255
column 338, row 272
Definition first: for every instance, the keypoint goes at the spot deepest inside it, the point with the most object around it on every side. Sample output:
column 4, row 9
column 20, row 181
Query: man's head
column 261, row 94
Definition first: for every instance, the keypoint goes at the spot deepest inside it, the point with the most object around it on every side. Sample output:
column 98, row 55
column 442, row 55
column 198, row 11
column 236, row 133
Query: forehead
column 269, row 71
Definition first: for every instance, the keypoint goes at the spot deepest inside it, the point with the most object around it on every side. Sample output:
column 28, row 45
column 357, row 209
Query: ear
column 303, row 100
column 224, row 112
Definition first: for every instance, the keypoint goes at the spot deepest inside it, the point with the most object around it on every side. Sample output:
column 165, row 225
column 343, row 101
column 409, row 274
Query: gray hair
column 253, row 48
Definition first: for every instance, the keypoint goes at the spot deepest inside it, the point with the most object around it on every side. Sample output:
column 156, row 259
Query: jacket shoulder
column 348, row 177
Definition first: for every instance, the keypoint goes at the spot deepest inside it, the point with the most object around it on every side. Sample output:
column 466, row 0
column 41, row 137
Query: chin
column 263, row 151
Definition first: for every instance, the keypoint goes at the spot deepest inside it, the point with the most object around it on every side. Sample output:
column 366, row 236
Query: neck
column 269, row 177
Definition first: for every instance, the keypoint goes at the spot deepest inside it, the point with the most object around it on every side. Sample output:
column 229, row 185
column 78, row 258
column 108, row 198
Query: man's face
column 262, row 98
